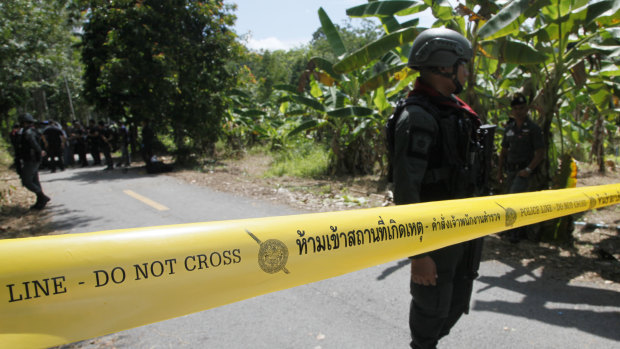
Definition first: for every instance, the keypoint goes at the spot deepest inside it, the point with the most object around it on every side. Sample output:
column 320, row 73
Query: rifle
column 486, row 136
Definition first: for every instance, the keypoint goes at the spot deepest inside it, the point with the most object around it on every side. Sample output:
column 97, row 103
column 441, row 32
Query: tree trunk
column 598, row 148
column 40, row 103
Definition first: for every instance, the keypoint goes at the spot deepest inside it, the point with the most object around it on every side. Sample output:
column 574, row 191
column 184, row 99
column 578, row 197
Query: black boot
column 42, row 200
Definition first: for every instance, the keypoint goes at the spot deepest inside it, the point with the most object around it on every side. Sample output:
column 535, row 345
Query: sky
column 286, row 24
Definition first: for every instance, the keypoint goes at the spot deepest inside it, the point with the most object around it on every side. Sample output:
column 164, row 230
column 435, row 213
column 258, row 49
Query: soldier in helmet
column 522, row 151
column 434, row 137
column 30, row 155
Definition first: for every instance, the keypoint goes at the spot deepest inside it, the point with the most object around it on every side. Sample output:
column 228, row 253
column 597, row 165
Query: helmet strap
column 452, row 76
column 455, row 79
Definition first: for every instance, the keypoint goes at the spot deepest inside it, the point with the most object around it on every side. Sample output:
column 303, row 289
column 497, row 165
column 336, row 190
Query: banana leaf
column 379, row 8
column 249, row 112
column 508, row 20
column 380, row 100
column 376, row 49
column 308, row 124
column 600, row 94
column 420, row 7
column 286, row 87
column 384, row 79
column 350, row 111
column 335, row 98
column 587, row 14
column 442, row 9
column 333, row 37
column 511, row 51
column 296, row 112
column 308, row 102
column 609, row 70
column 324, row 65
column 240, row 93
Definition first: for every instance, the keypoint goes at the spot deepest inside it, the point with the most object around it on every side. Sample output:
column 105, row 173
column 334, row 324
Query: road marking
column 146, row 200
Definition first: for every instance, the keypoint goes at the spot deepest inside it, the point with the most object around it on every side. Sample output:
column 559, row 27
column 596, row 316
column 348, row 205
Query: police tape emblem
column 511, row 215
column 592, row 203
column 272, row 255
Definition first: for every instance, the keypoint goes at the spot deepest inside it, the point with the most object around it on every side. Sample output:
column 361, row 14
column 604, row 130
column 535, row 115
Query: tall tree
column 162, row 61
column 37, row 58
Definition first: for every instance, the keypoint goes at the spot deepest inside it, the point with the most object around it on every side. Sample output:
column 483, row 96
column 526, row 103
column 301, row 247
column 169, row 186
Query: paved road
column 513, row 307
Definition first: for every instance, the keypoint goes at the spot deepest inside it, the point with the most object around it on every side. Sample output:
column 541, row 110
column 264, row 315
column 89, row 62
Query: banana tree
column 567, row 33
column 350, row 96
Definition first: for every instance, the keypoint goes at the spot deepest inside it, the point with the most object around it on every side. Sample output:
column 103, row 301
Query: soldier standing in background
column 105, row 137
column 30, row 154
column 125, row 140
column 15, row 139
column 69, row 156
column 94, row 142
column 148, row 138
column 521, row 153
column 55, row 144
column 78, row 137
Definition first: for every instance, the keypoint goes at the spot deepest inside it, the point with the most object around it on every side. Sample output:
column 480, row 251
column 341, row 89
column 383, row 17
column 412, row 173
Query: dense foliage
column 162, row 61
column 179, row 65
column 39, row 67
column 562, row 54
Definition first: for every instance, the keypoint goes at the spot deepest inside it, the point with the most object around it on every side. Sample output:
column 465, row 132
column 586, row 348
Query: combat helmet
column 439, row 47
column 26, row 117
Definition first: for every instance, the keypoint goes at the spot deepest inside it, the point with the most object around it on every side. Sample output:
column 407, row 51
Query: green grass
column 304, row 160
column 6, row 159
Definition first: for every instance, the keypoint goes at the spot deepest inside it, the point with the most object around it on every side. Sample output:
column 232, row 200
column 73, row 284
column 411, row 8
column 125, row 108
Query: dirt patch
column 16, row 218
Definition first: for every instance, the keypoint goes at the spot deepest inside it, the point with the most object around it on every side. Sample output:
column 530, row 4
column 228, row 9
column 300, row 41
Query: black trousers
column 436, row 309
column 30, row 176
column 55, row 158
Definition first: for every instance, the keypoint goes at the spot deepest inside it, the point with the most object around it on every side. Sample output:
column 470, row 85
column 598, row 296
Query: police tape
column 64, row 288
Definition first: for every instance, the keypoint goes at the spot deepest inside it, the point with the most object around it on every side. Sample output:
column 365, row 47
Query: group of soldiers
column 49, row 145
column 62, row 143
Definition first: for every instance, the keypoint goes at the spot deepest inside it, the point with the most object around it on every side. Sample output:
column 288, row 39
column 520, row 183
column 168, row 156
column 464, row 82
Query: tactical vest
column 454, row 165
column 27, row 151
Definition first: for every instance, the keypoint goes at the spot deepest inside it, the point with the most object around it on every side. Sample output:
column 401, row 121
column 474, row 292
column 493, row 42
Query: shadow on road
column 97, row 174
column 542, row 279
column 559, row 305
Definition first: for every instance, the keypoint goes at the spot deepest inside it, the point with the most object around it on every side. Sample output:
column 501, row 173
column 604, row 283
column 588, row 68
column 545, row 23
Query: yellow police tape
column 65, row 288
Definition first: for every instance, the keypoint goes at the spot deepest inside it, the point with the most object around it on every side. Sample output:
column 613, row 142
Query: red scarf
column 423, row 88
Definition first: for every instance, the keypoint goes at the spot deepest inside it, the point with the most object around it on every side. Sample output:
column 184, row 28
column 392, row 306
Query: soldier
column 125, row 140
column 15, row 144
column 69, row 156
column 30, row 155
column 435, row 134
column 105, row 137
column 78, row 138
column 521, row 153
column 55, row 144
column 94, row 142
column 148, row 138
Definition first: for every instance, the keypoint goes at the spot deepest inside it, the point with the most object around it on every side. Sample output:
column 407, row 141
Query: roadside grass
column 5, row 158
column 304, row 160
column 7, row 188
